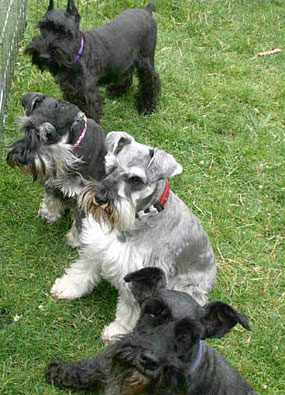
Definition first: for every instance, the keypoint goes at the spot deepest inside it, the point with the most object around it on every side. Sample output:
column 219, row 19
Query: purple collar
column 194, row 362
column 79, row 53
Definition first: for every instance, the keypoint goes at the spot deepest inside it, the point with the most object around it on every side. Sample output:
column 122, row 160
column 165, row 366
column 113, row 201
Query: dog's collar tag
column 192, row 364
column 79, row 53
column 80, row 138
column 156, row 207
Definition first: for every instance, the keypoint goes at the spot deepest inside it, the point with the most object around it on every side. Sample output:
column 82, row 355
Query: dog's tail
column 150, row 8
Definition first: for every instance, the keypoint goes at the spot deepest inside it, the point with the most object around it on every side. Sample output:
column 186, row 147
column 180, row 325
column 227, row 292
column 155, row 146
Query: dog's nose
column 148, row 361
column 45, row 57
column 101, row 199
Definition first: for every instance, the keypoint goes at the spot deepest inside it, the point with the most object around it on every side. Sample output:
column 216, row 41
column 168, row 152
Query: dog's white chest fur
column 114, row 253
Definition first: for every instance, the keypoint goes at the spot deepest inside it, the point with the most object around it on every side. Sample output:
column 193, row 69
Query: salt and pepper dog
column 135, row 221
column 61, row 148
column 165, row 353
column 107, row 55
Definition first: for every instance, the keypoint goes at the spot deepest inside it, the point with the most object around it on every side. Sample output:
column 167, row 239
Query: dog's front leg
column 78, row 280
column 85, row 374
column 51, row 207
column 127, row 313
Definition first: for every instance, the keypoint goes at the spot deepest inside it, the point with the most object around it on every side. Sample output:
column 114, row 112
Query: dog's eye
column 151, row 317
column 48, row 136
column 134, row 180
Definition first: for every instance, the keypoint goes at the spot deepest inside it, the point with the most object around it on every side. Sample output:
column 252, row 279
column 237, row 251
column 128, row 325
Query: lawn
column 221, row 114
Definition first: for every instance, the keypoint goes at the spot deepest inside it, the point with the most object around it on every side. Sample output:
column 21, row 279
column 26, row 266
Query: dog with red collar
column 134, row 220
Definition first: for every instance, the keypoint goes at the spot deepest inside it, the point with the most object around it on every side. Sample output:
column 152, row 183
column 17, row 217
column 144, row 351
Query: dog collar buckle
column 156, row 207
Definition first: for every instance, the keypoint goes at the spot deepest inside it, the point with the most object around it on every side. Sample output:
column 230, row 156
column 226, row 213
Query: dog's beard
column 60, row 60
column 120, row 214
column 42, row 161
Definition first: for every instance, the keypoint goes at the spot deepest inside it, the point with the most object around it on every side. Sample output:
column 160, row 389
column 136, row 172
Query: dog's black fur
column 110, row 55
column 164, row 353
column 51, row 127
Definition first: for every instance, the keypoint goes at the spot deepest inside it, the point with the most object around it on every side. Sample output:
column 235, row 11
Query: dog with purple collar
column 165, row 353
column 80, row 61
column 63, row 149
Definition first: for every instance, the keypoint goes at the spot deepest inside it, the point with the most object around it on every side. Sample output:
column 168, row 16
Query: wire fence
column 12, row 26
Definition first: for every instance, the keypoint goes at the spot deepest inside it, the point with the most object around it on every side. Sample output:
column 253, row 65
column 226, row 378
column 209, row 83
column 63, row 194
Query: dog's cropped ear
column 50, row 6
column 30, row 100
column 115, row 141
column 161, row 166
column 220, row 318
column 146, row 282
column 72, row 10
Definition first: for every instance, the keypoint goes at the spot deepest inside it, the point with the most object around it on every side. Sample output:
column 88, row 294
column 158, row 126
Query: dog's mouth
column 135, row 383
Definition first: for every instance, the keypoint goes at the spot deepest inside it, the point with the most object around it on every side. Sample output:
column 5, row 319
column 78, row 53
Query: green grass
column 222, row 115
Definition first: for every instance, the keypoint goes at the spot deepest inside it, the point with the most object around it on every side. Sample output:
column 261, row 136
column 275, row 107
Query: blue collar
column 79, row 53
column 194, row 362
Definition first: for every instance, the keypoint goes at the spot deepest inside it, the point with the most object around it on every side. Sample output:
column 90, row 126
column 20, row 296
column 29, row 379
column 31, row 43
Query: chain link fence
column 12, row 26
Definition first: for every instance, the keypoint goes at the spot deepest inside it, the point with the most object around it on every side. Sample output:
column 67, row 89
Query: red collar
column 158, row 206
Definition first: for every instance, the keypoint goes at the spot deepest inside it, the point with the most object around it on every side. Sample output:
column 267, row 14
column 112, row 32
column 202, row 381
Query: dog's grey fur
column 116, row 243
column 51, row 127
column 110, row 55
column 164, row 354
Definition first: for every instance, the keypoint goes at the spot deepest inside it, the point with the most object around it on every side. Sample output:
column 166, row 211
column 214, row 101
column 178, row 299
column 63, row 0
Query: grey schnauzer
column 134, row 220
column 108, row 55
column 61, row 148
column 165, row 353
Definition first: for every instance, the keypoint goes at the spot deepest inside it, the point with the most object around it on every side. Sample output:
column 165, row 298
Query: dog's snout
column 45, row 57
column 148, row 361
column 101, row 199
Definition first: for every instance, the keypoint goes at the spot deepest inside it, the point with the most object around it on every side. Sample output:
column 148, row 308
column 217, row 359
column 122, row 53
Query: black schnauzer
column 165, row 353
column 108, row 55
column 63, row 149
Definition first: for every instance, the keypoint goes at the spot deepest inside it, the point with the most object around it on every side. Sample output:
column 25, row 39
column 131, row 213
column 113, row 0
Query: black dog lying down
column 82, row 60
column 165, row 353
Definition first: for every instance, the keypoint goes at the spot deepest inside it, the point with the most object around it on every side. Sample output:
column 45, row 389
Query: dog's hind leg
column 149, row 85
column 51, row 207
column 119, row 88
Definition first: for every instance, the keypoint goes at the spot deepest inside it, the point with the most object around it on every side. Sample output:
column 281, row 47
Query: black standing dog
column 165, row 353
column 80, row 61
column 61, row 148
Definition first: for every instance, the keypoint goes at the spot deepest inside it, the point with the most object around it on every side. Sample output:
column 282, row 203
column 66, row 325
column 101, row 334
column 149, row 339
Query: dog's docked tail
column 150, row 8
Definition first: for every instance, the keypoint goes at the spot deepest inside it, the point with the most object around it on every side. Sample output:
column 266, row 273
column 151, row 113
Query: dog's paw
column 69, row 288
column 46, row 215
column 53, row 371
column 111, row 332
column 72, row 238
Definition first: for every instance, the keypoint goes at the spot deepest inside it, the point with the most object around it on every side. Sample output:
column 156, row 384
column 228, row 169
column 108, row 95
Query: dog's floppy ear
column 72, row 10
column 50, row 6
column 115, row 141
column 146, row 282
column 220, row 318
column 161, row 166
column 30, row 100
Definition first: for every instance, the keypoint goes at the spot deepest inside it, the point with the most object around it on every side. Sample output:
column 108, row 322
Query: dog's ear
column 50, row 6
column 220, row 318
column 72, row 10
column 154, row 312
column 115, row 141
column 30, row 101
column 146, row 282
column 161, row 166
